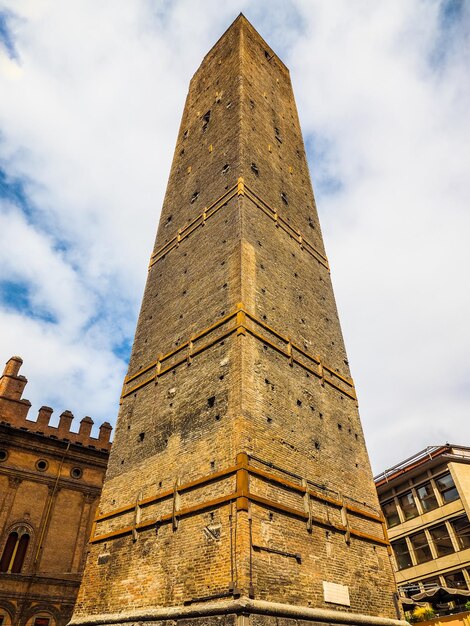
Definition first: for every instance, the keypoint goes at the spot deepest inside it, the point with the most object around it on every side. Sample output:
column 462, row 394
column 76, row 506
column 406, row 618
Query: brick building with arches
column 50, row 483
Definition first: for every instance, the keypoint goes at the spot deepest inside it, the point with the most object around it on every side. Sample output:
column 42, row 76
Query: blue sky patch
column 16, row 296
column 318, row 149
column 6, row 38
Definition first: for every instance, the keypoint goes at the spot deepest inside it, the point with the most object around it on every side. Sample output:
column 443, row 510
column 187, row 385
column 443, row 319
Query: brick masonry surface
column 238, row 276
column 50, row 483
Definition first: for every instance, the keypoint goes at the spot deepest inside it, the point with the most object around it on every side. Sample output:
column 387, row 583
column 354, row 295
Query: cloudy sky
column 91, row 95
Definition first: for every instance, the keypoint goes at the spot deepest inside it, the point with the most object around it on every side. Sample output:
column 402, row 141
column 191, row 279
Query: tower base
column 242, row 611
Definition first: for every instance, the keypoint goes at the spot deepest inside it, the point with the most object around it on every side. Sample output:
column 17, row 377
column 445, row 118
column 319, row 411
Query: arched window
column 15, row 551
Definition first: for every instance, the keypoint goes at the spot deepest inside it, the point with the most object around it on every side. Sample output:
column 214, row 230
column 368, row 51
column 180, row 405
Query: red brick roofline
column 418, row 459
column 14, row 410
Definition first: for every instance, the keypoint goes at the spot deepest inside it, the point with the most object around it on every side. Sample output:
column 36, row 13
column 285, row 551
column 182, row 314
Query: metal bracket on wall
column 293, row 555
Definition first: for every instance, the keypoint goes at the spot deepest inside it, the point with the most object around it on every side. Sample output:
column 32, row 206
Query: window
column 455, row 580
column 42, row 621
column 402, row 554
column 421, row 547
column 447, row 488
column 42, row 465
column 390, row 512
column 426, row 496
column 408, row 505
column 77, row 472
column 3, row 457
column 430, row 583
column 442, row 541
column 14, row 551
column 461, row 526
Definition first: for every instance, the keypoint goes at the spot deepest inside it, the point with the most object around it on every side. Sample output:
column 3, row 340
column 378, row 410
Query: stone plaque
column 336, row 594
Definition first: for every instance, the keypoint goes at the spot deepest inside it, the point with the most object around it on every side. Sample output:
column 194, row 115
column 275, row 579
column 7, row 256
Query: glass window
column 426, row 496
column 447, row 488
column 461, row 527
column 14, row 552
column 402, row 554
column 456, row 580
column 430, row 583
column 442, row 541
column 421, row 547
column 41, row 621
column 408, row 505
column 391, row 513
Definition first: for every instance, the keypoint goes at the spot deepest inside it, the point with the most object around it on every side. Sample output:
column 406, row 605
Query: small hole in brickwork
column 277, row 135
column 211, row 401
column 252, row 104
column 299, row 402
column 296, row 275
column 182, row 152
column 312, row 408
column 263, row 290
column 205, row 120
column 271, row 516
column 255, row 169
column 217, row 418
column 265, row 347
column 222, row 343
column 185, row 134
column 302, row 321
column 160, row 485
column 284, row 197
column 267, row 55
column 225, row 168
column 356, row 436
column 229, row 105
column 184, row 292
column 269, row 420
column 357, row 464
column 122, row 462
column 222, row 313
column 221, row 377
column 181, row 316
column 321, row 415
column 222, row 262
column 262, row 266
column 169, row 218
column 340, row 427
column 317, row 445
column 260, row 244
column 267, row 381
column 212, row 464
column 311, row 223
column 264, row 317
column 141, row 436
column 194, row 197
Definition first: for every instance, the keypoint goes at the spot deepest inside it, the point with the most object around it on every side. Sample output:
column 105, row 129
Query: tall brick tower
column 239, row 485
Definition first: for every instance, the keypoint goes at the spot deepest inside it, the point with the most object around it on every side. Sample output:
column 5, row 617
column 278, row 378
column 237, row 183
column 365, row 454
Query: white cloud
column 88, row 120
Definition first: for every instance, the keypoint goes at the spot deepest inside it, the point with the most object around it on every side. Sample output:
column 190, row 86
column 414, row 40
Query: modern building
column 426, row 504
column 239, row 489
column 50, row 483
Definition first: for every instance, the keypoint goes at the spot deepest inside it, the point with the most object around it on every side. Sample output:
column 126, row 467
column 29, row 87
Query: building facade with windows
column 50, row 483
column 426, row 504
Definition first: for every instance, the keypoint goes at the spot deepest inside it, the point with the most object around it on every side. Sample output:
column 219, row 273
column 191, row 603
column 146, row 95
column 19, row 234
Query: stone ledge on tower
column 14, row 410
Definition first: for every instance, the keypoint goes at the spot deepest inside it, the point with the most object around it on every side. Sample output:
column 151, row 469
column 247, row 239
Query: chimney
column 86, row 425
column 44, row 416
column 105, row 433
column 65, row 423
column 12, row 385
